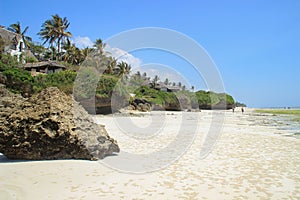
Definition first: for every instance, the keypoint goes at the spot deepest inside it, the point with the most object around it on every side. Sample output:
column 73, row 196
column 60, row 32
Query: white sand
column 251, row 160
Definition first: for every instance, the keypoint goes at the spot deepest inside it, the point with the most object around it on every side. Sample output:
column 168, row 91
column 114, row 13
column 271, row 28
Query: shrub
column 20, row 81
column 30, row 59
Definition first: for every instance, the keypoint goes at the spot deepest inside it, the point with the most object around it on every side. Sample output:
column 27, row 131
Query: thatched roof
column 9, row 36
column 44, row 64
column 173, row 88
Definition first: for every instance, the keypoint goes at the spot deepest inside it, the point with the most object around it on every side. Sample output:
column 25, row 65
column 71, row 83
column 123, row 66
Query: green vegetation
column 187, row 99
column 206, row 100
column 155, row 96
column 293, row 112
column 239, row 104
column 64, row 80
column 93, row 73
column 90, row 83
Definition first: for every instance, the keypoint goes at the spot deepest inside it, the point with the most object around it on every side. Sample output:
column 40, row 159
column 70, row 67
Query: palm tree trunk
column 58, row 49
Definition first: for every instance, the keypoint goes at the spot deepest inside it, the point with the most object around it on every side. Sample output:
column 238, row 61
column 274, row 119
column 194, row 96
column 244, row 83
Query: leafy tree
column 37, row 50
column 106, row 86
column 16, row 28
column 55, row 31
column 85, row 83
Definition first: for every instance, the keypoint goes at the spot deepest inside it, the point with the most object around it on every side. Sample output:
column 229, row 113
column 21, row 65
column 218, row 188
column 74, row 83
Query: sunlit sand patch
column 247, row 162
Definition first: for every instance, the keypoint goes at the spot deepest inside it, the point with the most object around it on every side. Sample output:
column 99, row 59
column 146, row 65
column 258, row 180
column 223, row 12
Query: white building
column 13, row 43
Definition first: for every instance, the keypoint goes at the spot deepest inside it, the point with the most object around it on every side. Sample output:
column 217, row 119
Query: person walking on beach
column 233, row 107
column 242, row 110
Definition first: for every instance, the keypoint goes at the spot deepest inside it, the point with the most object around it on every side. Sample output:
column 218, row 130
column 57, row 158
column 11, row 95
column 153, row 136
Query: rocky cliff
column 50, row 125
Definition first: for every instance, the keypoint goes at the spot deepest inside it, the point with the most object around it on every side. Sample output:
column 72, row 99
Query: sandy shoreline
column 252, row 159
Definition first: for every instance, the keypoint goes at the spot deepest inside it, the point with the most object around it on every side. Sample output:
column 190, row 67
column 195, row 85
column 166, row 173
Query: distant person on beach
column 233, row 107
column 242, row 110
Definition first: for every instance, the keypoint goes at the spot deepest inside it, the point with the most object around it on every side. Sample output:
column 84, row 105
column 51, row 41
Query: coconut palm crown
column 16, row 28
column 55, row 31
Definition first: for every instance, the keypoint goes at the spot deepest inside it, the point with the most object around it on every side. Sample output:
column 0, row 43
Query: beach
column 254, row 156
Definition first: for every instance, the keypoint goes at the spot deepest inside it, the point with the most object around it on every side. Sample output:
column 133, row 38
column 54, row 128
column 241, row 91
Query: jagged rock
column 141, row 105
column 50, row 125
column 2, row 78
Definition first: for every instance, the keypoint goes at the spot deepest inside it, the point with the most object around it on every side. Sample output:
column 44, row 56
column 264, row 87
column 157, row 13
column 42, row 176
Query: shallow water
column 285, row 124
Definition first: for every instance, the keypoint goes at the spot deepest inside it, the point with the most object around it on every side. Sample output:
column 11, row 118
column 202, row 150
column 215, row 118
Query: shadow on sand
column 4, row 159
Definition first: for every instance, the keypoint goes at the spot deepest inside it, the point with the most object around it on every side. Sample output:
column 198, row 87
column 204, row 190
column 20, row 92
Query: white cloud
column 122, row 55
column 83, row 42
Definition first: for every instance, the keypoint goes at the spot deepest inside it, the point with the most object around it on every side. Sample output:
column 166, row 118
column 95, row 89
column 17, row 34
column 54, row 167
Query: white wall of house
column 20, row 48
column 15, row 44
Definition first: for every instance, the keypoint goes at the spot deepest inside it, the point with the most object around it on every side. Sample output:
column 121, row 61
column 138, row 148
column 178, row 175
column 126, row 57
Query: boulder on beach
column 50, row 125
column 141, row 105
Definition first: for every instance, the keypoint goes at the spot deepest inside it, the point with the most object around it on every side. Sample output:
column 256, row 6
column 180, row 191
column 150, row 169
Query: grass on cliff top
column 296, row 113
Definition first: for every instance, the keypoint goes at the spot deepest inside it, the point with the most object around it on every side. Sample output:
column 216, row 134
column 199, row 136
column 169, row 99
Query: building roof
column 161, row 85
column 44, row 63
column 173, row 87
column 9, row 36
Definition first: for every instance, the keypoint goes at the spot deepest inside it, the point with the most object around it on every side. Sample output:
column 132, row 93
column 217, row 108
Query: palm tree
column 137, row 78
column 138, row 74
column 145, row 75
column 123, row 70
column 192, row 88
column 179, row 84
column 100, row 46
column 50, row 54
column 55, row 31
column 112, row 64
column 155, row 81
column 16, row 28
column 166, row 82
column 38, row 50
column 72, row 54
column 86, row 51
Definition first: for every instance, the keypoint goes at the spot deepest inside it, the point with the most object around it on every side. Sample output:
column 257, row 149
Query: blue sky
column 255, row 44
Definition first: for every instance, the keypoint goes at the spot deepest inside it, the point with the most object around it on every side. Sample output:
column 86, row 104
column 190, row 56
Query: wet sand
column 253, row 158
